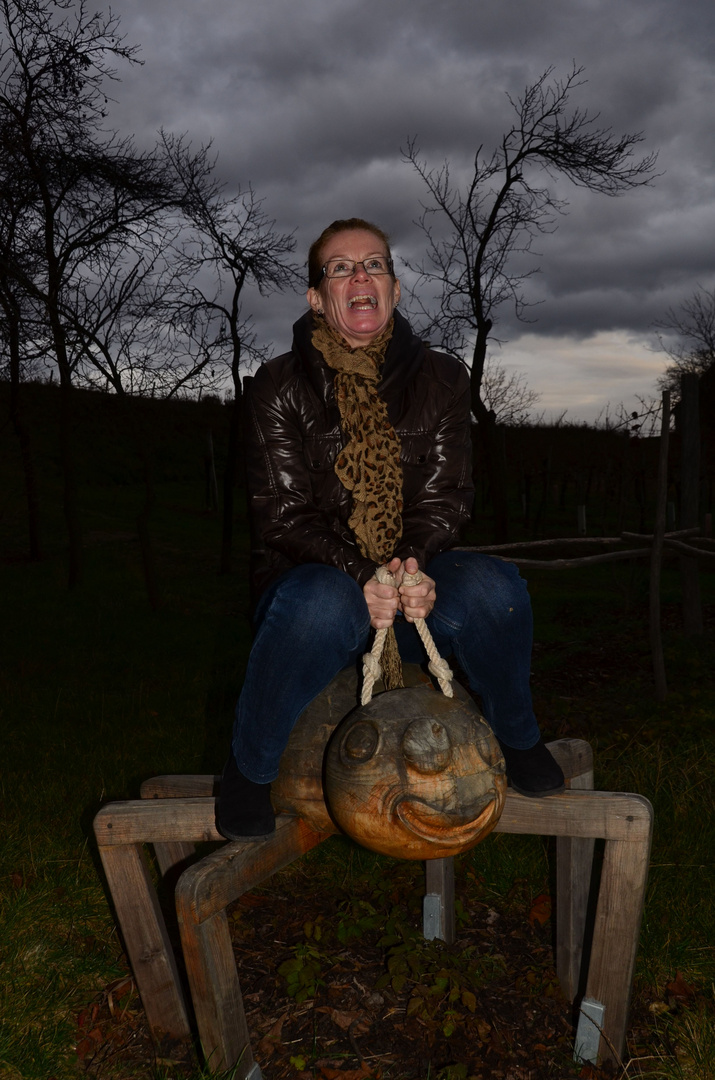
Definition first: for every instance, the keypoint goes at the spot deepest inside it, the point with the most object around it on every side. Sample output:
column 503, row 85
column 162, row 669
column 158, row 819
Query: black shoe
column 533, row 772
column 243, row 809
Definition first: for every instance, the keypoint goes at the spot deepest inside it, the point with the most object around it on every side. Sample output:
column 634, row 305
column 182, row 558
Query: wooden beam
column 202, row 896
column 212, row 884
column 574, row 863
column 216, row 994
column 148, row 821
column 615, row 938
column 145, row 938
column 605, row 814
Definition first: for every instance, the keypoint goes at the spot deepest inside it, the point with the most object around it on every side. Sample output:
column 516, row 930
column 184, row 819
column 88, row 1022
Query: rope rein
column 371, row 669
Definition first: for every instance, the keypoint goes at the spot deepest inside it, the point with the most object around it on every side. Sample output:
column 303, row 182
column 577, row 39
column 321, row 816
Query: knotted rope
column 371, row 669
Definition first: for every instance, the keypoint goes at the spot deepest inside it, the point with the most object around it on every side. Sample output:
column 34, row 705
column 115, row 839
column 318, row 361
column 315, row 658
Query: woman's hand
column 416, row 601
column 383, row 600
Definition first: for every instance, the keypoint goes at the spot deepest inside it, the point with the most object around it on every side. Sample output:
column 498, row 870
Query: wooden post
column 202, row 895
column 121, row 829
column 148, row 948
column 689, row 424
column 574, row 862
column 656, row 558
column 438, row 906
column 626, row 823
column 618, row 918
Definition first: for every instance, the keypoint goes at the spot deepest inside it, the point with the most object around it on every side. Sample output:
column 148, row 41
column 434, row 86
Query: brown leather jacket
column 299, row 507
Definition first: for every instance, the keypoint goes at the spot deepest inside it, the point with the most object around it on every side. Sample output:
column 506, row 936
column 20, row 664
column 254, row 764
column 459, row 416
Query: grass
column 97, row 692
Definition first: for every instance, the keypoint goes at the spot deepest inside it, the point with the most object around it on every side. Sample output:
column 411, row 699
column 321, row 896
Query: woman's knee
column 468, row 582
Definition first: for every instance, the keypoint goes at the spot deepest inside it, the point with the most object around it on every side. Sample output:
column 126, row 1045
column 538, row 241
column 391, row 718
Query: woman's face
column 360, row 306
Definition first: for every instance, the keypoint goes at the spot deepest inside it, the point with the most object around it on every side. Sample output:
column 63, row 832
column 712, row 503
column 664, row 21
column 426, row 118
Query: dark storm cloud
column 311, row 102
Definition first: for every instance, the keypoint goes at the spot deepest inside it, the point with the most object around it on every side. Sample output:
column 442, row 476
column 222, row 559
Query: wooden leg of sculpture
column 574, row 862
column 148, row 948
column 121, row 830
column 438, row 907
column 204, row 892
column 621, row 897
column 625, row 822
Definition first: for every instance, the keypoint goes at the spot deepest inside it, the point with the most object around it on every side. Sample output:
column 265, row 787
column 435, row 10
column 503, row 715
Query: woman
column 359, row 455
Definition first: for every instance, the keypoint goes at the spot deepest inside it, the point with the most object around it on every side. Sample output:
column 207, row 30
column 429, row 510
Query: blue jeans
column 313, row 622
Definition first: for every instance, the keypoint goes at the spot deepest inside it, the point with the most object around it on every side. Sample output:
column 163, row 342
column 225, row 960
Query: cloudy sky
column 311, row 100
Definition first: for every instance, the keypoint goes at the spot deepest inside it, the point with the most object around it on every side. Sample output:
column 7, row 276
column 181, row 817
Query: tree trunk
column 229, row 478
column 689, row 424
column 492, row 447
column 490, row 438
column 151, row 580
column 70, row 498
column 67, row 457
column 656, row 559
column 23, row 437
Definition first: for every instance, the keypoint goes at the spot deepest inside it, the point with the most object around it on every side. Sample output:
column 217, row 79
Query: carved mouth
column 433, row 825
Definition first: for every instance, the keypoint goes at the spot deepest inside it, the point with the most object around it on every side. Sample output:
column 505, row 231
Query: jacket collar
column 403, row 359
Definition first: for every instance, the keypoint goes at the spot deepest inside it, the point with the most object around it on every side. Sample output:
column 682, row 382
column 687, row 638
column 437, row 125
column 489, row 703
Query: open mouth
column 364, row 303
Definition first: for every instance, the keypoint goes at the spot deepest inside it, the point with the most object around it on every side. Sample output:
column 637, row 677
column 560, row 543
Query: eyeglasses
column 375, row 265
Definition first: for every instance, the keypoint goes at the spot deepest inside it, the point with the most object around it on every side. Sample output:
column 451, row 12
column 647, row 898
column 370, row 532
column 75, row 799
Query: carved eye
column 359, row 744
column 426, row 746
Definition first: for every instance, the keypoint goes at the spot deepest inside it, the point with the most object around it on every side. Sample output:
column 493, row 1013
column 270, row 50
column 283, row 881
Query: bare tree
column 687, row 336
column 232, row 246
column 85, row 191
column 479, row 237
column 507, row 394
column 19, row 328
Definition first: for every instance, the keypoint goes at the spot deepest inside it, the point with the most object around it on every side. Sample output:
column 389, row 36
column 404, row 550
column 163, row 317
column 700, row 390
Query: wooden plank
column 574, row 862
column 607, row 814
column 216, row 992
column 211, row 885
column 439, row 881
column 615, row 938
column 150, row 954
column 186, row 786
column 137, row 821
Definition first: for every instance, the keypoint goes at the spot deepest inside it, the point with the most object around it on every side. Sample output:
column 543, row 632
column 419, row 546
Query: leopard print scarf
column 369, row 463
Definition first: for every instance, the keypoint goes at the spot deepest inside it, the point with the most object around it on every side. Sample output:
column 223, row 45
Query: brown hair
column 315, row 260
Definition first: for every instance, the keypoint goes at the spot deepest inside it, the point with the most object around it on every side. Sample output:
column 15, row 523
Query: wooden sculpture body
column 413, row 774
